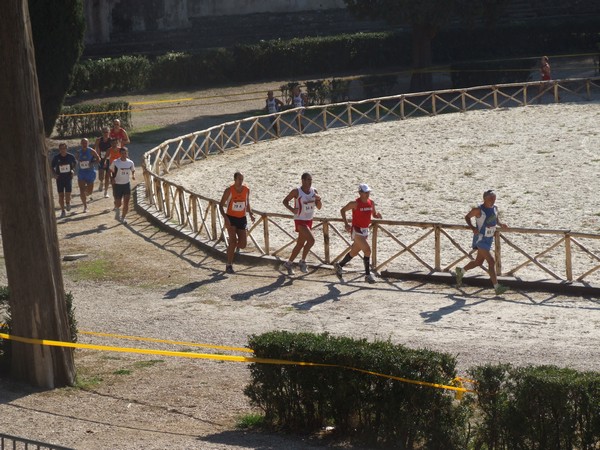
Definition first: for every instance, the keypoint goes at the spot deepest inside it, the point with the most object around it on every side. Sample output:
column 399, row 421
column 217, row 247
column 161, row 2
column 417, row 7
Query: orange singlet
column 237, row 202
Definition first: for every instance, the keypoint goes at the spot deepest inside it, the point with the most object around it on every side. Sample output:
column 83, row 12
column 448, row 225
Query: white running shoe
column 105, row 194
column 289, row 267
column 124, row 221
column 371, row 278
column 117, row 214
column 85, row 209
column 303, row 267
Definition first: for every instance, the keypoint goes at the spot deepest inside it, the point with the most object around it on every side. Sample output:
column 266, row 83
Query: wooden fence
column 529, row 254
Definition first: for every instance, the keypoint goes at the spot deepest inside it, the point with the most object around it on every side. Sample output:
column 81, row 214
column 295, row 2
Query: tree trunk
column 422, row 78
column 37, row 296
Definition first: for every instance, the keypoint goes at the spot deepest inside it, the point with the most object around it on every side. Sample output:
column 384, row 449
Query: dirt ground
column 140, row 281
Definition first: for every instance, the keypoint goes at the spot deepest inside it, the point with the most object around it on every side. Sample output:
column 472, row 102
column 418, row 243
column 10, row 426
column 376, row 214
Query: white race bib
column 238, row 206
column 124, row 172
column 309, row 208
column 84, row 164
column 64, row 168
column 489, row 232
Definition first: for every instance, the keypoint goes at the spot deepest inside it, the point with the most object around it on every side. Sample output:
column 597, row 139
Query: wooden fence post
column 438, row 248
column 374, row 244
column 568, row 262
column 498, row 253
column 326, row 241
column 266, row 234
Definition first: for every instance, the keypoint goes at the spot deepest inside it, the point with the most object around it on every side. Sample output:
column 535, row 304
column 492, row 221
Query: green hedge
column 374, row 410
column 534, row 408
column 6, row 321
column 330, row 54
column 543, row 407
column 68, row 125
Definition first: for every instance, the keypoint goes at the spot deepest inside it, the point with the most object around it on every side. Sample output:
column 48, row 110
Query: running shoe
column 371, row 278
column 85, row 209
column 229, row 269
column 100, row 187
column 339, row 271
column 117, row 214
column 63, row 214
column 68, row 207
column 460, row 273
column 289, row 267
column 500, row 289
column 90, row 198
column 303, row 267
column 124, row 221
column 105, row 194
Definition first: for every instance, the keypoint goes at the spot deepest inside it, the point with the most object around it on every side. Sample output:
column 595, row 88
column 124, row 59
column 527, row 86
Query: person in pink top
column 363, row 210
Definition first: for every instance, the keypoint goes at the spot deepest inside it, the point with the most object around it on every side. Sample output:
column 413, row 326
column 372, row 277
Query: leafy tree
column 58, row 29
column 426, row 18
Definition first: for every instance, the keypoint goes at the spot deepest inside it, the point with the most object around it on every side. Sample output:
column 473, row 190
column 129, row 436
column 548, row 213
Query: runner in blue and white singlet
column 86, row 158
column 486, row 225
column 486, row 221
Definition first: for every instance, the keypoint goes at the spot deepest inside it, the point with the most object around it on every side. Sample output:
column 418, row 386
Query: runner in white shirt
column 306, row 199
column 122, row 171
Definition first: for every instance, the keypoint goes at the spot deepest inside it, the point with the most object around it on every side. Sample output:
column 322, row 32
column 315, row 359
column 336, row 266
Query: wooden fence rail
column 397, row 245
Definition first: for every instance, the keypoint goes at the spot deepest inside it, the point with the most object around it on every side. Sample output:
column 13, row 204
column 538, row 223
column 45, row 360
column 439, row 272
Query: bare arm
column 250, row 213
column 286, row 201
column 222, row 206
column 349, row 207
column 125, row 140
column 375, row 213
column 318, row 201
column 475, row 212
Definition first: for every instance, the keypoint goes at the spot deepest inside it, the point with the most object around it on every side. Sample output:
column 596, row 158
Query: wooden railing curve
column 560, row 255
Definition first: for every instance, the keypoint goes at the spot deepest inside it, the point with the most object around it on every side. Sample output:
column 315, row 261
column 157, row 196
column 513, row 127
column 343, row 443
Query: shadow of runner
column 190, row 287
column 334, row 294
column 280, row 281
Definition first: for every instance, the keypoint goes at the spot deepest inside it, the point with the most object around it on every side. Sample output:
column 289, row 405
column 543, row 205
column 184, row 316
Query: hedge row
column 348, row 52
column 88, row 119
column 515, row 408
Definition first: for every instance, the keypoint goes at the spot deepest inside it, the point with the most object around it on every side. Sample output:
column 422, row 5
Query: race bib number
column 124, row 172
column 489, row 232
column 103, row 154
column 84, row 164
column 309, row 208
column 64, row 168
column 238, row 206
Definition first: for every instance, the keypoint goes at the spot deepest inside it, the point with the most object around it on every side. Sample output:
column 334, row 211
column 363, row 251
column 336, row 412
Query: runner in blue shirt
column 486, row 220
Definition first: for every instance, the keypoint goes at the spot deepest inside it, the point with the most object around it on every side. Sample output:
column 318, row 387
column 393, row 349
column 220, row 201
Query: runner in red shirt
column 363, row 210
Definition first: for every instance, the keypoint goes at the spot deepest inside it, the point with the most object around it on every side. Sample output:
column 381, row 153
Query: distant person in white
column 122, row 171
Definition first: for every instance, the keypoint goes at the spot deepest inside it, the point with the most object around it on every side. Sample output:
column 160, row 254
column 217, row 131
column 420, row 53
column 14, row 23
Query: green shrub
column 372, row 409
column 122, row 74
column 82, row 120
column 542, row 407
column 5, row 326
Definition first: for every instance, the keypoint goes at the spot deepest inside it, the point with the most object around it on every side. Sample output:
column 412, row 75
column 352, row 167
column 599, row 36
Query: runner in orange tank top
column 234, row 205
column 363, row 210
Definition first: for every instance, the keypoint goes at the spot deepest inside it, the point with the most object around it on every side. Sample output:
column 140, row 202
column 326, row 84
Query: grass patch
column 250, row 421
column 96, row 269
column 85, row 383
column 122, row 372
column 150, row 363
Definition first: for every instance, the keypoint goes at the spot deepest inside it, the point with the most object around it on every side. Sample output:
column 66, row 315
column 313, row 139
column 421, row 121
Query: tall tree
column 58, row 29
column 426, row 18
column 37, row 297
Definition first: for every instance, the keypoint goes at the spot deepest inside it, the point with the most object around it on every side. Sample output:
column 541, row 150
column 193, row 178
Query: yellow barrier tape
column 457, row 389
column 166, row 341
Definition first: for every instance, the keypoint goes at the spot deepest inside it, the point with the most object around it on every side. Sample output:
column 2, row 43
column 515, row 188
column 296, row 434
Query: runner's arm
column 286, row 201
column 475, row 212
column 349, row 207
